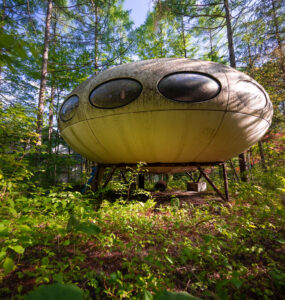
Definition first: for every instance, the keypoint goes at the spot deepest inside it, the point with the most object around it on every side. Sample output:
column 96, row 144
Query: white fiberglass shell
column 167, row 111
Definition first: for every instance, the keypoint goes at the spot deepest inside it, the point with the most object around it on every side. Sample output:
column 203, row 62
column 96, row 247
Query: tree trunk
column 242, row 167
column 278, row 38
column 50, row 119
column 41, row 102
column 96, row 40
column 3, row 15
column 211, row 44
column 52, row 94
column 242, row 159
column 230, row 35
column 261, row 152
column 183, row 37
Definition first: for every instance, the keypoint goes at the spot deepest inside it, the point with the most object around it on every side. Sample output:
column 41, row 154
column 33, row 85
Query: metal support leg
column 95, row 184
column 124, row 177
column 109, row 177
column 190, row 175
column 212, row 184
column 141, row 181
column 199, row 178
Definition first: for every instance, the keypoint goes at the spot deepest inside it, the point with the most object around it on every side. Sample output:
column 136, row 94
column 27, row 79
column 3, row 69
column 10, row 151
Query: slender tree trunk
column 242, row 167
column 56, row 141
column 242, row 157
column 261, row 152
column 211, row 45
column 230, row 35
column 52, row 94
column 183, row 37
column 3, row 16
column 41, row 102
column 68, row 167
column 121, row 46
column 50, row 118
column 96, row 46
column 250, row 59
column 278, row 38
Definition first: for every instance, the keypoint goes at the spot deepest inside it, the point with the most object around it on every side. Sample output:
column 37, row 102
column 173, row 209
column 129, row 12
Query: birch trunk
column 44, row 72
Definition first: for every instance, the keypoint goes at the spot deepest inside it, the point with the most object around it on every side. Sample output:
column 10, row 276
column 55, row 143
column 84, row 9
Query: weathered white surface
column 155, row 129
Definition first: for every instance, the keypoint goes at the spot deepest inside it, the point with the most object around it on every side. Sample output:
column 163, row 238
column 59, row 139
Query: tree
column 44, row 73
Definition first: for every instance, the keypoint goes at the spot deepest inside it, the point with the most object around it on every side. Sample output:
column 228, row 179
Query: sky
column 139, row 10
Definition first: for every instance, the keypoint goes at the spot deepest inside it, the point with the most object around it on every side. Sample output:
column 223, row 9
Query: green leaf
column 88, row 228
column 56, row 291
column 66, row 243
column 33, row 50
column 8, row 265
column 6, row 40
column 45, row 261
column 236, row 282
column 58, row 277
column 147, row 295
column 2, row 255
column 72, row 222
column 18, row 249
column 3, row 230
column 169, row 259
column 25, row 228
column 165, row 295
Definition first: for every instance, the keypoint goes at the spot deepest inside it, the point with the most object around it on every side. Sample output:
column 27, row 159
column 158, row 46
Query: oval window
column 189, row 87
column 250, row 95
column 67, row 110
column 115, row 93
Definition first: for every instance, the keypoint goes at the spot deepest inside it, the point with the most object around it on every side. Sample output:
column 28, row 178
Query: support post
column 212, row 184
column 226, row 182
column 109, row 177
column 141, row 181
column 97, row 178
column 190, row 175
column 199, row 178
column 124, row 177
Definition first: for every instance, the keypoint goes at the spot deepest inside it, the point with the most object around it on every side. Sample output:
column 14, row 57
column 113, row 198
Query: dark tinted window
column 115, row 93
column 67, row 110
column 189, row 87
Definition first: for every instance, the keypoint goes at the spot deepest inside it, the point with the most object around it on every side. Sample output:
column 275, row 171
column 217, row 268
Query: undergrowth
column 130, row 249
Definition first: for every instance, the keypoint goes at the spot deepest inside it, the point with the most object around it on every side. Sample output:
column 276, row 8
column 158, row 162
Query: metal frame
column 199, row 166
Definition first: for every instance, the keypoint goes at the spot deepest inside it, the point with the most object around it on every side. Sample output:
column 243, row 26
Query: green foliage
column 135, row 250
column 17, row 144
column 56, row 291
column 174, row 296
column 88, row 228
column 119, row 243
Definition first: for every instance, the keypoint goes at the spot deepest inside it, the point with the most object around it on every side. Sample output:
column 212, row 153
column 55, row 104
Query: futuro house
column 165, row 111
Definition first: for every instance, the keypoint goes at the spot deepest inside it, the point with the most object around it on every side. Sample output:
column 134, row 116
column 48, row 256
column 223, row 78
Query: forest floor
column 180, row 241
column 194, row 198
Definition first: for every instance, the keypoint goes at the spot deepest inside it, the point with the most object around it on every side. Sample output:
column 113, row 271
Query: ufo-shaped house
column 165, row 111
